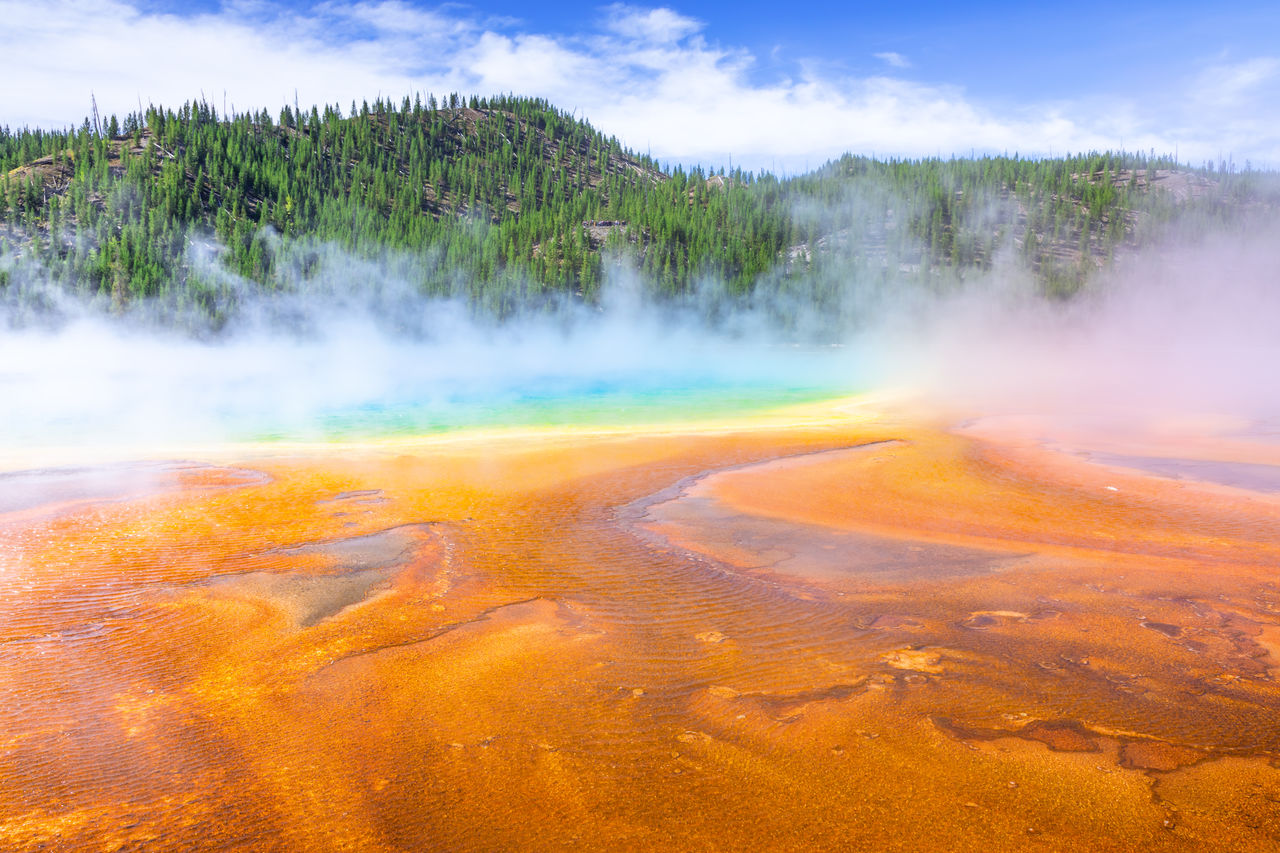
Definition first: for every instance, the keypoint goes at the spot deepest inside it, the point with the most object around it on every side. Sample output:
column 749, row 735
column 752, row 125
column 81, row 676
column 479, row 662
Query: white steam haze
column 656, row 78
column 1186, row 328
column 1175, row 330
column 357, row 350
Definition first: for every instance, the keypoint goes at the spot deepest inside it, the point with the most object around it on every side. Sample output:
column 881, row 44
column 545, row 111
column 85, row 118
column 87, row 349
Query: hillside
column 504, row 201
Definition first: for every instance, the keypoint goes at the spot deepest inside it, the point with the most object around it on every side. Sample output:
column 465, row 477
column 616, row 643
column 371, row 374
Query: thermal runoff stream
column 405, row 598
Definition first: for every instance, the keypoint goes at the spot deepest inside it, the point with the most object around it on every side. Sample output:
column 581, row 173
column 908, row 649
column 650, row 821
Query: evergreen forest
column 510, row 203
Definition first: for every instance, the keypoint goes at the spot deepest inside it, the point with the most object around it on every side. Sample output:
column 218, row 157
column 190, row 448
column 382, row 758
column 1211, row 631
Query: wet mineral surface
column 878, row 634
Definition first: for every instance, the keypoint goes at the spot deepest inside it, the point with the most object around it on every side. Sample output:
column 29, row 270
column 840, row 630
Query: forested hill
column 505, row 200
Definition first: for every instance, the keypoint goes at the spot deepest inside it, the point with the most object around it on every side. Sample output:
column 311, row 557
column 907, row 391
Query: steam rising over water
column 1181, row 329
column 97, row 383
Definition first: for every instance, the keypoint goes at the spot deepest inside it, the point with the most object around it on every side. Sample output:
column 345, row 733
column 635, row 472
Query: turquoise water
column 552, row 401
column 96, row 386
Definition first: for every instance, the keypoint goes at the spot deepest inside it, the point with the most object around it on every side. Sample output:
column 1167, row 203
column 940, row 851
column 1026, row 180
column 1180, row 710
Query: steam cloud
column 355, row 348
column 1178, row 329
column 1181, row 328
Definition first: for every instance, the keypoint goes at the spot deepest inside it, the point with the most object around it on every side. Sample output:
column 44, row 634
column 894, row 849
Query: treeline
column 506, row 201
column 1062, row 219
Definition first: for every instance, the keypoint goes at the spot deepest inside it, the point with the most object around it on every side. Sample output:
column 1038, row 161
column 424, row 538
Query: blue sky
column 767, row 85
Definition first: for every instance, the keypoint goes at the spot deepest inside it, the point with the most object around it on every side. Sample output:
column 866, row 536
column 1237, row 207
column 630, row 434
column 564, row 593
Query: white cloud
column 895, row 60
column 647, row 75
column 394, row 18
column 652, row 25
column 1232, row 83
column 530, row 64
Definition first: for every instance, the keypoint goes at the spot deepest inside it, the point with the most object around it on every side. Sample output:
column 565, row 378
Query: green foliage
column 507, row 200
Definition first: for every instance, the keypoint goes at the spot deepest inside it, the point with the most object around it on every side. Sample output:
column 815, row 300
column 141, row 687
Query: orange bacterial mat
column 871, row 634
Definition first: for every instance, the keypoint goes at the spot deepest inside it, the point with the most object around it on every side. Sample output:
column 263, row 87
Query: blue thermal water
column 616, row 399
column 110, row 389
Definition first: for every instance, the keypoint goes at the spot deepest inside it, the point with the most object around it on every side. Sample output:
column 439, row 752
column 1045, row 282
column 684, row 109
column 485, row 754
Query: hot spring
column 622, row 591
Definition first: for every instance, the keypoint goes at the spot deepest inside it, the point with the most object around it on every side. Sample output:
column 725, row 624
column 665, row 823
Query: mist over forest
column 509, row 206
column 184, row 268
